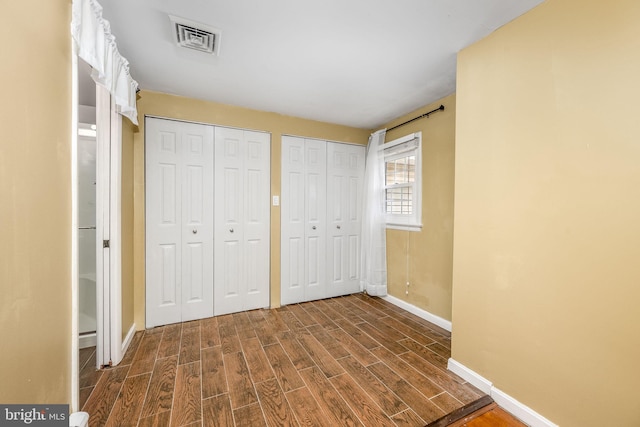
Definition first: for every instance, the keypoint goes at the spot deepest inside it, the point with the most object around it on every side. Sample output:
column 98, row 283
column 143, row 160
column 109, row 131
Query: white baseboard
column 526, row 414
column 508, row 403
column 470, row 376
column 79, row 419
column 87, row 340
column 127, row 339
column 436, row 320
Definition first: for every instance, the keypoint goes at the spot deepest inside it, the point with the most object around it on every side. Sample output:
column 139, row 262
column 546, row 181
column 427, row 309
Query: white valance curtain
column 97, row 46
column 373, row 237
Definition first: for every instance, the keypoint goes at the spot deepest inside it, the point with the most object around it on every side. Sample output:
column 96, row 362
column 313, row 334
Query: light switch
column 276, row 200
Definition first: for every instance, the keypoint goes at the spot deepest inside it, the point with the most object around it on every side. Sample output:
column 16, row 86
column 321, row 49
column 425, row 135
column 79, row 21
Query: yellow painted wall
column 158, row 104
column 35, row 202
column 546, row 276
column 429, row 252
column 127, row 226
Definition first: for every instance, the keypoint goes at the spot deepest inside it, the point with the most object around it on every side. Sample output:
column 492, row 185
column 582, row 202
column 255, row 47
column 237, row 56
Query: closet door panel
column 257, row 225
column 355, row 174
column 345, row 171
column 293, row 223
column 228, row 284
column 179, row 183
column 255, row 273
column 166, row 279
column 353, row 259
column 229, row 272
column 242, row 194
column 337, row 268
column 197, row 221
column 332, row 198
column 163, row 212
column 315, row 194
column 336, row 218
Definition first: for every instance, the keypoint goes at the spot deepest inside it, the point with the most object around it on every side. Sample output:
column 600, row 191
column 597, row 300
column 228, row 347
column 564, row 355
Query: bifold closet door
column 345, row 173
column 242, row 226
column 303, row 220
column 179, row 221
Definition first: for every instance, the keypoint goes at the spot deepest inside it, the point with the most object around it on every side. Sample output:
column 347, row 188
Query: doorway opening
column 96, row 189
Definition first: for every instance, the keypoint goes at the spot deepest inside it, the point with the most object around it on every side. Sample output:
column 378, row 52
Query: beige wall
column 425, row 257
column 127, row 226
column 35, row 206
column 158, row 104
column 546, row 277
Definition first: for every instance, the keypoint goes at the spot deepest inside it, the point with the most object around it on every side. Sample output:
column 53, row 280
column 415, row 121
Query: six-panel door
column 303, row 219
column 197, row 267
column 242, row 193
column 179, row 221
column 320, row 219
column 345, row 173
column 187, row 240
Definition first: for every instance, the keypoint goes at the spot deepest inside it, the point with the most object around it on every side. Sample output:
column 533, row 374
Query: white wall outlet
column 276, row 200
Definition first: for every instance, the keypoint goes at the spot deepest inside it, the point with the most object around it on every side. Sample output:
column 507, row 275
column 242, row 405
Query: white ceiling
column 360, row 63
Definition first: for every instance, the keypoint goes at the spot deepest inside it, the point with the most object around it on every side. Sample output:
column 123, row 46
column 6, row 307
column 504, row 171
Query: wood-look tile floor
column 347, row 361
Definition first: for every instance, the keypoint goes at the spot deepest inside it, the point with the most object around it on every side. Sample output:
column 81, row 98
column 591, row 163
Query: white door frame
column 75, row 337
column 108, row 294
column 108, row 229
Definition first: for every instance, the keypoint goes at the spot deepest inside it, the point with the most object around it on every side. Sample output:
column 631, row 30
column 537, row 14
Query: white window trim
column 405, row 222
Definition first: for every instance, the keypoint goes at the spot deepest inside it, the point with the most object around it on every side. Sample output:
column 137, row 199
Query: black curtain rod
column 440, row 108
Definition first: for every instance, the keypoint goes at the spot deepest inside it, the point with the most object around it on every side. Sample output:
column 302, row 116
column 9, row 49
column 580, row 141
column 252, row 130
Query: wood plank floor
column 348, row 361
column 490, row 416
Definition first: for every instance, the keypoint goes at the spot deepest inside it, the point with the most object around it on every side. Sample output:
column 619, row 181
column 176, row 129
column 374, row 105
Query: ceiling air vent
column 196, row 36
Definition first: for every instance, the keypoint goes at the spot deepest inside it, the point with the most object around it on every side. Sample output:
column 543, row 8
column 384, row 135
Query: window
column 403, row 167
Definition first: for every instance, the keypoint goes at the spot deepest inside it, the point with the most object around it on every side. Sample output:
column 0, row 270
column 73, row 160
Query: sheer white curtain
column 97, row 46
column 374, row 241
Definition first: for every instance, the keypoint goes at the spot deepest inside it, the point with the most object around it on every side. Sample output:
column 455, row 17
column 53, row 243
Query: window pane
column 399, row 201
column 411, row 168
column 400, row 171
column 390, row 168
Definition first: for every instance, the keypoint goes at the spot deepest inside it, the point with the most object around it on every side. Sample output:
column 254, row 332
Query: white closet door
column 303, row 211
column 257, row 219
column 179, row 221
column 345, row 171
column 197, row 222
column 292, row 219
column 242, row 191
column 315, row 248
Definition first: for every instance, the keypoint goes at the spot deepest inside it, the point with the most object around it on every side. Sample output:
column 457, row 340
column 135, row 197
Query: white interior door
column 257, row 219
column 315, row 247
column 103, row 223
column 242, row 192
column 293, row 222
column 345, row 172
column 197, row 222
column 303, row 219
column 109, row 349
column 179, row 221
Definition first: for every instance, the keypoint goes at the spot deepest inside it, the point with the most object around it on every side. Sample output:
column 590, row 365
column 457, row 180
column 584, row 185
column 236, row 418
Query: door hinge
column 105, row 244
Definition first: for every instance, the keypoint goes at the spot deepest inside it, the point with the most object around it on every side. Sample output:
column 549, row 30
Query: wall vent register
column 193, row 35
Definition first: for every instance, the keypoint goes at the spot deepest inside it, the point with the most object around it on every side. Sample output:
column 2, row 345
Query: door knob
column 313, row 228
column 231, row 230
column 338, row 227
column 194, row 231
